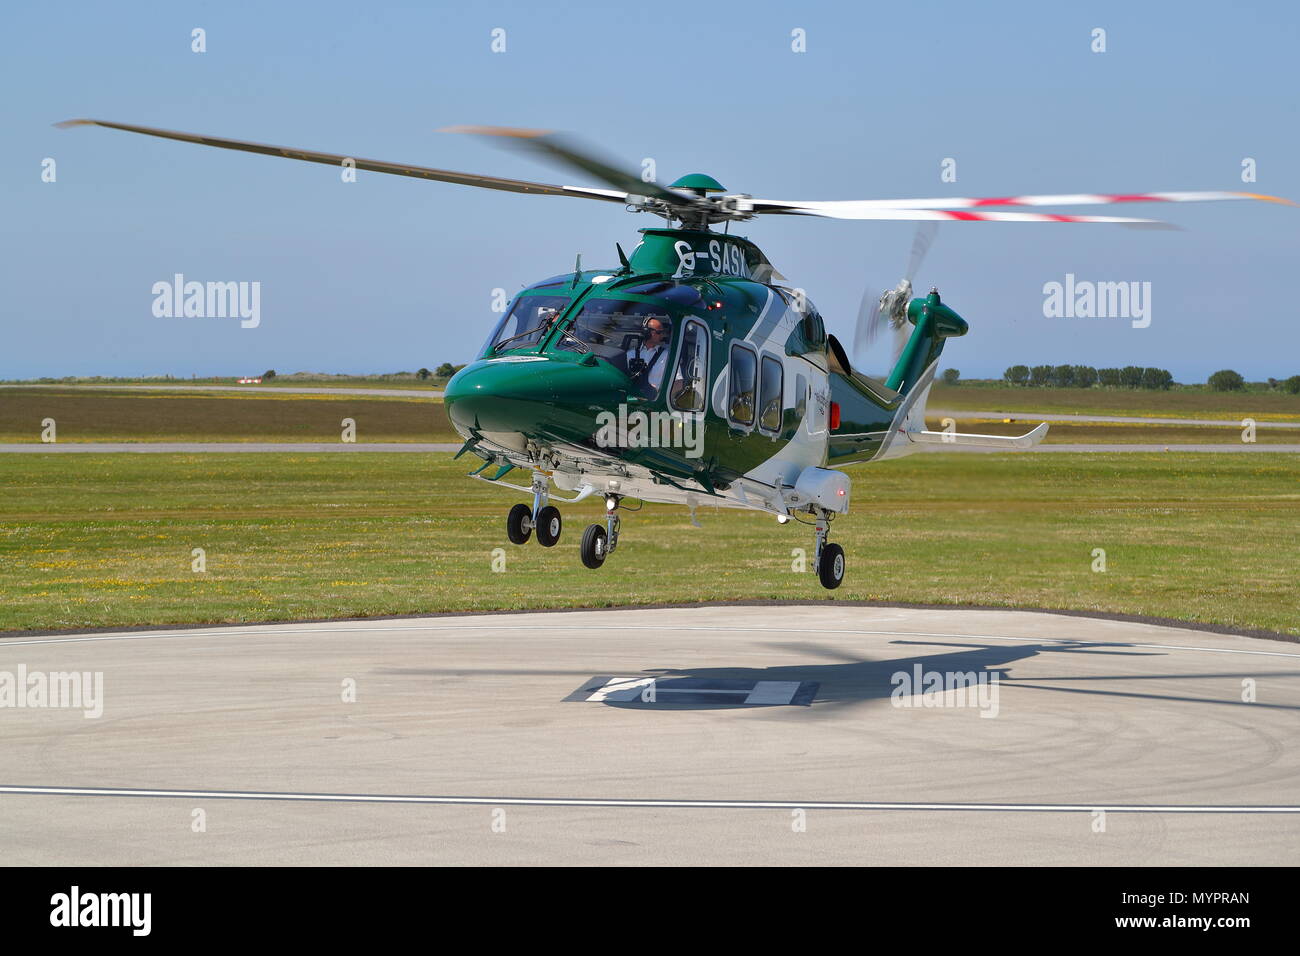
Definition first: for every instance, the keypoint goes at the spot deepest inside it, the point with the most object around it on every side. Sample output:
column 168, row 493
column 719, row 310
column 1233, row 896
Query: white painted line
column 773, row 692
column 635, row 803
column 621, row 688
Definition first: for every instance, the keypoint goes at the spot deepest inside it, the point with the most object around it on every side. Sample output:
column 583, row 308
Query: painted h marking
column 763, row 692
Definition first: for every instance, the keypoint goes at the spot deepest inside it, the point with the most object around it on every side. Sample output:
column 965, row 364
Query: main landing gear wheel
column 831, row 566
column 519, row 524
column 594, row 540
column 548, row 526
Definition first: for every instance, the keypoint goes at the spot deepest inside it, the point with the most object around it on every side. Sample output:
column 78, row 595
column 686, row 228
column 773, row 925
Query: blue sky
column 390, row 273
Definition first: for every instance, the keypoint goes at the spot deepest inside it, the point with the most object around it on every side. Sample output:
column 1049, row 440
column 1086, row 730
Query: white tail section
column 907, row 432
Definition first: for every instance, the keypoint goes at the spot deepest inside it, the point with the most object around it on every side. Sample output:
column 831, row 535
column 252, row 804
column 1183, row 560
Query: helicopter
column 689, row 374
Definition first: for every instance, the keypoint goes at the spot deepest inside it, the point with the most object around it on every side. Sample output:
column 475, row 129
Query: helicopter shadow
column 848, row 681
column 844, row 681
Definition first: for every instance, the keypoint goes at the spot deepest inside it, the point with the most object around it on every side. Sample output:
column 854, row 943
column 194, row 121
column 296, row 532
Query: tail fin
column 934, row 322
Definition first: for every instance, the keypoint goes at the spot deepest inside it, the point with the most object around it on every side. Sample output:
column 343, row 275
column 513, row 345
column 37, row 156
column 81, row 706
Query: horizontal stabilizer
column 1009, row 442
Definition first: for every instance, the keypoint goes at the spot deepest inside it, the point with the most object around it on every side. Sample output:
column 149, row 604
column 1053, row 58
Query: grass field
column 297, row 379
column 122, row 415
column 110, row 415
column 1176, row 403
column 108, row 539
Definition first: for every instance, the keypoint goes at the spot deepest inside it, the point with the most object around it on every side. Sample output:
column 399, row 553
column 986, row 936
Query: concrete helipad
column 745, row 735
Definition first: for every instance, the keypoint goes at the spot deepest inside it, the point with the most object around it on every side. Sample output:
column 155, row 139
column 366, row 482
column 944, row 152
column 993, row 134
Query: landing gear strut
column 829, row 557
column 597, row 542
column 542, row 517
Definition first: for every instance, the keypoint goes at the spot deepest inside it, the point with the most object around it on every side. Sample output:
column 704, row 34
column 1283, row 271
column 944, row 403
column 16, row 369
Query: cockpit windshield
column 635, row 337
column 525, row 323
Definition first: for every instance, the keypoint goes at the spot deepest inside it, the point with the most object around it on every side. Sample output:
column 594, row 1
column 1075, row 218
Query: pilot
column 647, row 360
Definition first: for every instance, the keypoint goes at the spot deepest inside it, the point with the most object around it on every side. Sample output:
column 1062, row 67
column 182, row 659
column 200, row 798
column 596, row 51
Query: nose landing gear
column 542, row 517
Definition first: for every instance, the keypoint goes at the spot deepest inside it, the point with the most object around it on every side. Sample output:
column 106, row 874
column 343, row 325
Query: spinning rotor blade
column 554, row 147
column 371, row 165
column 951, row 208
column 921, row 242
column 1077, row 199
column 871, row 317
column 853, row 209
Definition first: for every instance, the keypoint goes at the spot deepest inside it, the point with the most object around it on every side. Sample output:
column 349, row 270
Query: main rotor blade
column 865, row 210
column 1075, row 199
column 371, row 165
column 554, row 147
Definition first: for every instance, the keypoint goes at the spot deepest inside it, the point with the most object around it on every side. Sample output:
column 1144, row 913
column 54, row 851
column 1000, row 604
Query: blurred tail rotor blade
column 869, row 323
column 921, row 242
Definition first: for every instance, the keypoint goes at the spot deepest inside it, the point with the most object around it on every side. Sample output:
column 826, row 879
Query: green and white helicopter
column 688, row 374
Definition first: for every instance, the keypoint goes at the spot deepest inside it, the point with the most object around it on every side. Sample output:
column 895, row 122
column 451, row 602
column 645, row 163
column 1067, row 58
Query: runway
column 742, row 735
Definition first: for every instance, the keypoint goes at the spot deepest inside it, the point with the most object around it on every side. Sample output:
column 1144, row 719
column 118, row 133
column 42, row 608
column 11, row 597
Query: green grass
column 1175, row 403
column 112, row 415
column 311, row 379
column 106, row 539
column 134, row 416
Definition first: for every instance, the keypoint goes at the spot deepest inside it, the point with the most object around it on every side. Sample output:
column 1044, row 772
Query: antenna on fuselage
column 577, row 271
column 622, row 258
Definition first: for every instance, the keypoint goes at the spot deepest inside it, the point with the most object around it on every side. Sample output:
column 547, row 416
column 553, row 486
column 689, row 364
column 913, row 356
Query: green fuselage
column 548, row 381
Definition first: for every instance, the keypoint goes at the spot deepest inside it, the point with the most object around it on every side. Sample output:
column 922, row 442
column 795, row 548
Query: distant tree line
column 1130, row 376
column 1085, row 376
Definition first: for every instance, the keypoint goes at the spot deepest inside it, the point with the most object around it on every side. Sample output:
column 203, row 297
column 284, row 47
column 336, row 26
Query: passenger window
column 743, row 372
column 769, row 395
column 687, row 392
column 800, row 397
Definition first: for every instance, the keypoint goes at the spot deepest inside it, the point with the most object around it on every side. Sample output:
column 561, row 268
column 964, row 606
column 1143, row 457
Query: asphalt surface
column 770, row 736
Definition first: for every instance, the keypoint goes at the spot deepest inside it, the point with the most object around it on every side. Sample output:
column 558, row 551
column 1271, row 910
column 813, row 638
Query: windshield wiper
column 567, row 333
column 505, row 342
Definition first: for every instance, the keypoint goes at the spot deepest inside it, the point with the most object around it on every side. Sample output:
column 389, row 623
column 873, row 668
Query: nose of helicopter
column 531, row 394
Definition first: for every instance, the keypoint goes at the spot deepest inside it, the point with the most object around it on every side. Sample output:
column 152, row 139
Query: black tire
column 519, row 524
column 594, row 540
column 831, row 567
column 549, row 526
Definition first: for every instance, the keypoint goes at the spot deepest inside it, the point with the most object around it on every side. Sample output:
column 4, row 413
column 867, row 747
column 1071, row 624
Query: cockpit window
column 526, row 322
column 633, row 336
